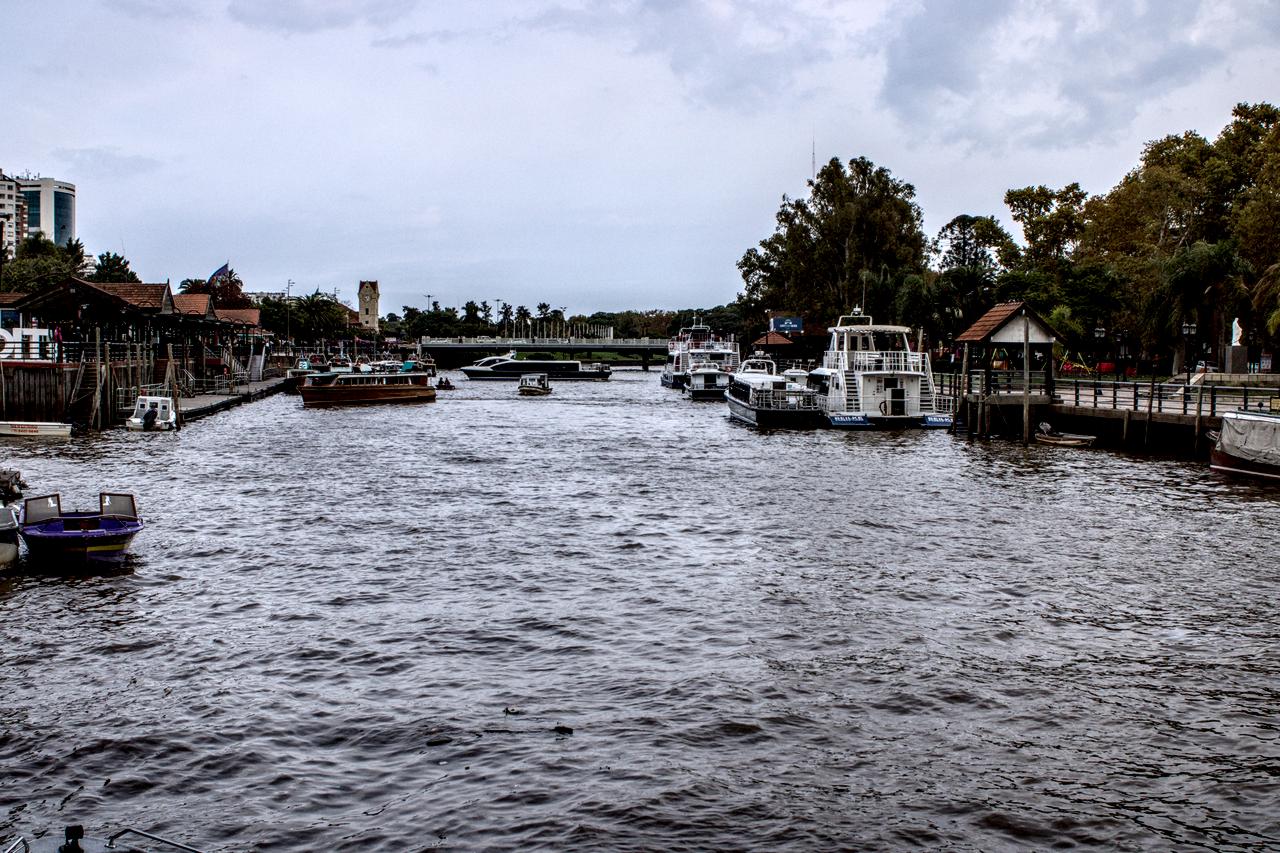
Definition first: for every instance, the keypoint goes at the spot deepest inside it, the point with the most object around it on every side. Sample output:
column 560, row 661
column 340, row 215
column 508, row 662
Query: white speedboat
column 697, row 344
column 509, row 367
column 759, row 396
column 37, row 429
column 870, row 378
column 153, row 413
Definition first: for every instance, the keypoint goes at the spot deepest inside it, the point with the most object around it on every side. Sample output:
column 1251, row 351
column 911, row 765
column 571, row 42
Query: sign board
column 1265, row 364
column 786, row 324
column 26, row 345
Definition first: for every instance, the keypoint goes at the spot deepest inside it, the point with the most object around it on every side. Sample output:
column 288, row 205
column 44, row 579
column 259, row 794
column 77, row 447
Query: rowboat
column 76, row 538
column 1048, row 435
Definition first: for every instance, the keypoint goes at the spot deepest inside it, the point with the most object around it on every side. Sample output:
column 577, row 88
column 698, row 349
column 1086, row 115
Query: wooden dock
column 194, row 408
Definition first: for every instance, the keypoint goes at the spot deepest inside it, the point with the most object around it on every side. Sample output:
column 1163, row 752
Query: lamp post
column 1188, row 332
column 1099, row 337
column 288, row 311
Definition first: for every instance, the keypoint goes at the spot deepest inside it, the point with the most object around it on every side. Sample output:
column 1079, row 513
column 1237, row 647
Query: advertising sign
column 26, row 345
column 786, row 324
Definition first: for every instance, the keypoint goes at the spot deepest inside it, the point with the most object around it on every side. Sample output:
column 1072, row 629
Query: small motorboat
column 1046, row 434
column 11, row 486
column 443, row 384
column 38, row 429
column 79, row 538
column 153, row 413
column 534, row 385
column 118, row 842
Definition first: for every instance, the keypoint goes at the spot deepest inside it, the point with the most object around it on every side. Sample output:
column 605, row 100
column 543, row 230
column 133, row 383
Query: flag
column 220, row 272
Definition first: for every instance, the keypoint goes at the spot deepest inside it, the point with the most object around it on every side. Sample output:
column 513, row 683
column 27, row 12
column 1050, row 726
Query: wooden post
column 1195, row 441
column 171, row 377
column 962, row 388
column 1026, row 378
column 1151, row 398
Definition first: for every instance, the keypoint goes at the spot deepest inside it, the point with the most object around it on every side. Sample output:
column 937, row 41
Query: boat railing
column 19, row 844
column 128, row 395
column 784, row 398
column 895, row 361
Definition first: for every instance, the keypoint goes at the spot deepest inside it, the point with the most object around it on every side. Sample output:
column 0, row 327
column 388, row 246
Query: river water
column 613, row 619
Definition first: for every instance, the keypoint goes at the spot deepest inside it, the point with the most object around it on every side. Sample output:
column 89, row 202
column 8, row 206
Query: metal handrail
column 21, row 842
column 111, row 841
column 874, row 360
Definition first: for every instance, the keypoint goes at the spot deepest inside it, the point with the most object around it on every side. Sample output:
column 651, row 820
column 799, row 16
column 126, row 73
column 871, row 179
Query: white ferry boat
column 870, row 378
column 697, row 344
column 758, row 396
column 706, row 381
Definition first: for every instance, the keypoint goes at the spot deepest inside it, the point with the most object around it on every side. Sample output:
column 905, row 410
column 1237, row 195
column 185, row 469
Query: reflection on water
column 613, row 619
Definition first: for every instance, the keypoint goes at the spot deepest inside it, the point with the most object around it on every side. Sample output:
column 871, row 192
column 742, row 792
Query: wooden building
column 1007, row 364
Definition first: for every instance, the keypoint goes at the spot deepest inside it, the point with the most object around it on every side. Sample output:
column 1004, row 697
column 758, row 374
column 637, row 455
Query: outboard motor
column 73, row 835
column 11, row 485
column 149, row 419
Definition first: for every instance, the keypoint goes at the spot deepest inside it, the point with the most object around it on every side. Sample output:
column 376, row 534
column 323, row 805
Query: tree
column 39, row 263
column 318, row 316
column 225, row 291
column 857, row 234
column 112, row 268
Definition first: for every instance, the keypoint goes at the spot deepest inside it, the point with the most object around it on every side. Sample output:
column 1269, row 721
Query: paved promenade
column 194, row 408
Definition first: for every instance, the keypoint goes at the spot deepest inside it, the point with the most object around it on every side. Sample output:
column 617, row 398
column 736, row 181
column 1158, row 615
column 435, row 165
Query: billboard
column 786, row 324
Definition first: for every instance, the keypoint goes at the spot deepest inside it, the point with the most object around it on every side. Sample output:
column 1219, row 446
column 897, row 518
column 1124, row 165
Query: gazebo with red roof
column 1010, row 348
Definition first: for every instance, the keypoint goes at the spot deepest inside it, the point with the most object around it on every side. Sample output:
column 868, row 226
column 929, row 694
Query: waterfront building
column 368, row 301
column 51, row 208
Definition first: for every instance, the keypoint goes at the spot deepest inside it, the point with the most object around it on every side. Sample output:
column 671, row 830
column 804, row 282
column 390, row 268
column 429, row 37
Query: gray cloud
column 727, row 57
column 309, row 16
column 105, row 162
column 1017, row 70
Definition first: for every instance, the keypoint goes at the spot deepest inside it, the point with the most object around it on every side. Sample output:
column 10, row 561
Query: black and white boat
column 706, row 382
column 1248, row 445
column 512, row 368
column 759, row 396
column 870, row 378
column 695, row 345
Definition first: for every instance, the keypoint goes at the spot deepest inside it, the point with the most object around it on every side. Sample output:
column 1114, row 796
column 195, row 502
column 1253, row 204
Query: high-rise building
column 13, row 214
column 368, row 298
column 51, row 208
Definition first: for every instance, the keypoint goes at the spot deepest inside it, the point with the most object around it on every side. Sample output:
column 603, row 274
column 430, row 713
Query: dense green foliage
column 1190, row 235
column 305, row 319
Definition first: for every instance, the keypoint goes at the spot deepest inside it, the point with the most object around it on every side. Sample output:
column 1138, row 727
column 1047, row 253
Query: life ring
column 884, row 407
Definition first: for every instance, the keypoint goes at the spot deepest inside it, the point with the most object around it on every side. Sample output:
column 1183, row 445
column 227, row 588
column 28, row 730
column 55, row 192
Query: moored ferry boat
column 757, row 395
column 1248, row 445
column 697, row 344
column 870, row 378
column 509, row 367
column 358, row 389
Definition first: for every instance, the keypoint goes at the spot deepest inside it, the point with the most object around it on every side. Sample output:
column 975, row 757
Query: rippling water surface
column 613, row 619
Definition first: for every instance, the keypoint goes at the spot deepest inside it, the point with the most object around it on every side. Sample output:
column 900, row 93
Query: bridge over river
column 462, row 350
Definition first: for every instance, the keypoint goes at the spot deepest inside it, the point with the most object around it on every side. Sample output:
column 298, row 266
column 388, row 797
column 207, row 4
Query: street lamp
column 1188, row 332
column 1099, row 335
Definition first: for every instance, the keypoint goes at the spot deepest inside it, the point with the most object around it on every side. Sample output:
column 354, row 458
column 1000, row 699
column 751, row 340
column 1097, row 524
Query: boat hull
column 773, row 418
column 363, row 395
column 8, row 545
column 858, row 420
column 673, row 380
column 1225, row 463
column 534, row 392
column 85, row 549
column 706, row 394
column 35, row 428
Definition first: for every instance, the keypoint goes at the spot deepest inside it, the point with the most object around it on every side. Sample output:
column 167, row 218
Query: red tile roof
column 192, row 303
column 989, row 322
column 12, row 297
column 772, row 339
column 146, row 297
column 240, row 316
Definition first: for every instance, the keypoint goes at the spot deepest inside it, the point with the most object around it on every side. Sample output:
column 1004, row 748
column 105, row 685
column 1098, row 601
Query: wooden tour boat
column 359, row 389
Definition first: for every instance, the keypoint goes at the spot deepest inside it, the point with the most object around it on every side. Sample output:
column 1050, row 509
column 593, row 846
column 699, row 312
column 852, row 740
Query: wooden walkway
column 194, row 408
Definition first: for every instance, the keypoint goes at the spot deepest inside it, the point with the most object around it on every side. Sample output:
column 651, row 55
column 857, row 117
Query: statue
column 1237, row 332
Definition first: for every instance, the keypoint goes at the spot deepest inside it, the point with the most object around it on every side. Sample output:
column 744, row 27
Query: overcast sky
column 597, row 156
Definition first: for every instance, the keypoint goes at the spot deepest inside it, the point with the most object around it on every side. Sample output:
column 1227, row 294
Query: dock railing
column 1164, row 397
